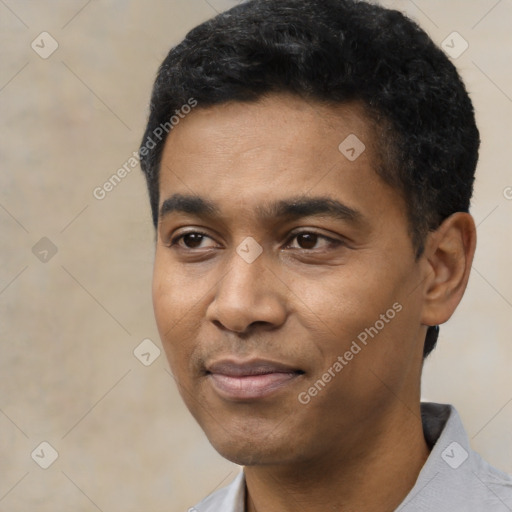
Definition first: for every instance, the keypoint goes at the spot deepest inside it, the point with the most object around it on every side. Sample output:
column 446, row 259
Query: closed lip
column 255, row 379
column 237, row 368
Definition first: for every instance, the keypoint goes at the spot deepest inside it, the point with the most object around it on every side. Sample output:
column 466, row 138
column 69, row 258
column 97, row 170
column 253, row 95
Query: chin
column 248, row 446
column 251, row 455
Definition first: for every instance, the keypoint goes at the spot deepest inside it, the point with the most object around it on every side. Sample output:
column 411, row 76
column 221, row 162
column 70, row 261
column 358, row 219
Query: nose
column 249, row 294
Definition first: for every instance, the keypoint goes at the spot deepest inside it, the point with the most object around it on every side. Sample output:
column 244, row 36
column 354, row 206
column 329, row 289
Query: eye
column 308, row 240
column 305, row 240
column 190, row 240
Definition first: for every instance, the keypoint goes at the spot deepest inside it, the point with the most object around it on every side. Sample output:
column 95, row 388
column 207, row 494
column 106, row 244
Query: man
column 310, row 165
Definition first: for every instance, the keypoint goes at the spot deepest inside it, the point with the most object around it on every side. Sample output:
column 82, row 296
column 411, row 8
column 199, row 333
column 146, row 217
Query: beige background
column 68, row 326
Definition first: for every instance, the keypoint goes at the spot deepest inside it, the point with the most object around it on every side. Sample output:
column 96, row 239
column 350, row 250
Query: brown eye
column 307, row 240
column 192, row 240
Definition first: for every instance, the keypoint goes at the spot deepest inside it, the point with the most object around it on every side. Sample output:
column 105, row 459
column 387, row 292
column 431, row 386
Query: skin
column 358, row 444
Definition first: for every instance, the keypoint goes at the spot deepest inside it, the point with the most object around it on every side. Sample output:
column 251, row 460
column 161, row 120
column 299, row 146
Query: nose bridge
column 245, row 276
column 248, row 292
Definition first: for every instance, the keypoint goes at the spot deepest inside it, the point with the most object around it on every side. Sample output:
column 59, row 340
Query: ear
column 448, row 257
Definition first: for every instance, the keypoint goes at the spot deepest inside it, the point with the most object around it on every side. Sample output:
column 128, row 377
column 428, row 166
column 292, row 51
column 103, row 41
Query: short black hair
column 334, row 51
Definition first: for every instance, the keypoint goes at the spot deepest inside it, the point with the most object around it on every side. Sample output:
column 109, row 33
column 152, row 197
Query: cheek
column 344, row 300
column 177, row 293
column 359, row 304
column 176, row 307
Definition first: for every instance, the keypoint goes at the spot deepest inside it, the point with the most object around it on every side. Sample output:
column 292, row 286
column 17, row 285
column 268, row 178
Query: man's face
column 248, row 340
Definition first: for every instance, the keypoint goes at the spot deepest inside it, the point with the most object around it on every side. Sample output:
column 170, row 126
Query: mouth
column 250, row 380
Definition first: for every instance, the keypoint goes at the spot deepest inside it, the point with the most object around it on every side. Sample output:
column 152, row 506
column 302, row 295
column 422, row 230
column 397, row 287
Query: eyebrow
column 290, row 209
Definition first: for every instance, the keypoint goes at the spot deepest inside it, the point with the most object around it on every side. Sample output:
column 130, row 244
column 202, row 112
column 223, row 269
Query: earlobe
column 448, row 257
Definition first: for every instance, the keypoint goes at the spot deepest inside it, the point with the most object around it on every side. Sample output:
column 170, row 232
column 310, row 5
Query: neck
column 372, row 472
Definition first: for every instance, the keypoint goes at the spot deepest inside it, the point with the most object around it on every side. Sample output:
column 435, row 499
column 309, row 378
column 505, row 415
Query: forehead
column 280, row 146
column 279, row 120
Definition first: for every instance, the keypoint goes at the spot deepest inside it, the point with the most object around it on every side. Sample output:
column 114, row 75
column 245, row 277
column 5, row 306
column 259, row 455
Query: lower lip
column 250, row 386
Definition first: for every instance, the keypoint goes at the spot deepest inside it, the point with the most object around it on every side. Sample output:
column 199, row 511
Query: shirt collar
column 454, row 477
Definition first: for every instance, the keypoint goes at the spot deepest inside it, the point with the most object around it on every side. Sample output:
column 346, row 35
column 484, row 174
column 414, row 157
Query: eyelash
column 332, row 242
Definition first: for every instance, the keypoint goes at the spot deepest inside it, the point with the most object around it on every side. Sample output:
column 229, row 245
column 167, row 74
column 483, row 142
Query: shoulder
column 495, row 484
column 455, row 477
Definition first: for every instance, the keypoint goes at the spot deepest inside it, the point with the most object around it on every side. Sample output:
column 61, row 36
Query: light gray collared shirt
column 453, row 479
